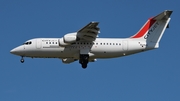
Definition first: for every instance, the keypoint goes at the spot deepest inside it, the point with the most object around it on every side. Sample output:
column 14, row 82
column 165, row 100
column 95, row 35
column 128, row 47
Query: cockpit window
column 27, row 43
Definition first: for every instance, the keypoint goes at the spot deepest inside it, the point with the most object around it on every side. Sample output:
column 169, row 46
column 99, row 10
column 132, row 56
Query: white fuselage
column 100, row 48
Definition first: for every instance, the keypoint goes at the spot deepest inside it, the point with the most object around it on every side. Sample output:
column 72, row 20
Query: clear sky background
column 148, row 76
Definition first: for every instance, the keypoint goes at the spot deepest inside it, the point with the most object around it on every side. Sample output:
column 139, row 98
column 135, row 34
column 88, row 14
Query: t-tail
column 153, row 29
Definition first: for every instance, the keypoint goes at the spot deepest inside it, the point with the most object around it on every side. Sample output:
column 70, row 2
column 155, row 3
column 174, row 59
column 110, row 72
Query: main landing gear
column 84, row 59
column 22, row 60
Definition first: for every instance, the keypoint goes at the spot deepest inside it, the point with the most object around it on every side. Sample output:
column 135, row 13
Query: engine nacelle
column 68, row 60
column 70, row 38
column 93, row 60
column 62, row 43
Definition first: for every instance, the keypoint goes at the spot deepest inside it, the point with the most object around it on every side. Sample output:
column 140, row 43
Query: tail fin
column 153, row 29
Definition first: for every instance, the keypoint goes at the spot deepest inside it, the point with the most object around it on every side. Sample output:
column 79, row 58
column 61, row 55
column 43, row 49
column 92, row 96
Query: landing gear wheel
column 22, row 60
column 84, row 59
column 84, row 65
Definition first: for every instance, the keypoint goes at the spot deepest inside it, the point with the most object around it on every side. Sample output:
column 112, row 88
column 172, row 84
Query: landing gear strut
column 84, row 59
column 22, row 60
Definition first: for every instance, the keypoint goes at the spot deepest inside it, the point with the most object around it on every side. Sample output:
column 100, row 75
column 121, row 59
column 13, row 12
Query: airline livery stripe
column 150, row 22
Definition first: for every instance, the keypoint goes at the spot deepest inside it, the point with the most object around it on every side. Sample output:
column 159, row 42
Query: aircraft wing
column 89, row 32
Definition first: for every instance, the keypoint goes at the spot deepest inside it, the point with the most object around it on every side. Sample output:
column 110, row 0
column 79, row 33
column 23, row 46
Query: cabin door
column 38, row 44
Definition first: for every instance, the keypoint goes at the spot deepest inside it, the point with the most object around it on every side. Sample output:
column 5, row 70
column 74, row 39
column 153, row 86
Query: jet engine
column 93, row 60
column 68, row 39
column 68, row 60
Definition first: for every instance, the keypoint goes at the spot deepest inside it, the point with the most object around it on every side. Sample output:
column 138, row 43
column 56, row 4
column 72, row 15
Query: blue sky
column 148, row 76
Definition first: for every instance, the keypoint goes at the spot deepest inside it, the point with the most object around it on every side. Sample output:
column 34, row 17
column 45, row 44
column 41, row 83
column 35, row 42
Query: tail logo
column 151, row 30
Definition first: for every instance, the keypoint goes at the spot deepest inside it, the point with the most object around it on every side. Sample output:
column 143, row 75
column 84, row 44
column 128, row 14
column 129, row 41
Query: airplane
column 85, row 46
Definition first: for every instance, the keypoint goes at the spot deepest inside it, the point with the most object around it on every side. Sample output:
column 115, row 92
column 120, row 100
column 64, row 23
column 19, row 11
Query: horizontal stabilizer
column 164, row 15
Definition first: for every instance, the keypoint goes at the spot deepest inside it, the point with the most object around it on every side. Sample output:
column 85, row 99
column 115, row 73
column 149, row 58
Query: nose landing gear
column 22, row 60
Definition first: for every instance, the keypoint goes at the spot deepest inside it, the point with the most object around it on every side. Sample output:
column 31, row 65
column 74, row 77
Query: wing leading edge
column 89, row 32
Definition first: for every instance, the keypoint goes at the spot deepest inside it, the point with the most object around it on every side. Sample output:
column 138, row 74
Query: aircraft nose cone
column 17, row 51
column 13, row 51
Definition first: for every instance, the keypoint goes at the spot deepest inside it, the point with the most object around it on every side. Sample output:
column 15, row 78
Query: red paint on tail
column 148, row 25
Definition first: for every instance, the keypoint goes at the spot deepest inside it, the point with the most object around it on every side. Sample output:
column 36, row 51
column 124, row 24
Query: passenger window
column 46, row 42
column 49, row 42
